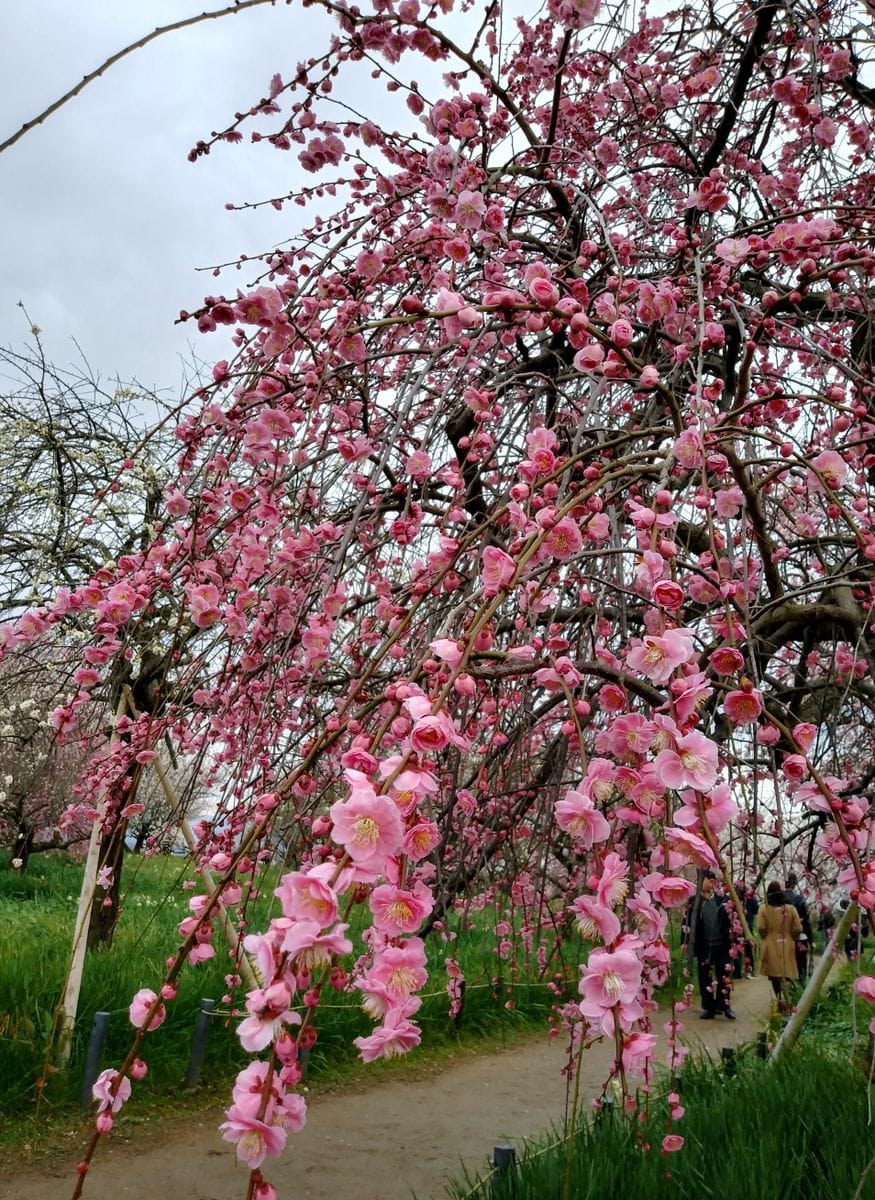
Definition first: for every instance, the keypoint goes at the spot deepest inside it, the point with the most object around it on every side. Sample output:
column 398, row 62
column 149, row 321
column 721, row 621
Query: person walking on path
column 710, row 937
column 779, row 925
column 805, row 941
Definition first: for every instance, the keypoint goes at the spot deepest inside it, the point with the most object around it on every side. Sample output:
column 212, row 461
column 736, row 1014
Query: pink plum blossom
column 864, row 985
column 611, row 980
column 431, row 731
column 368, row 826
column 831, row 468
column 470, row 210
column 657, row 656
column 574, row 14
column 595, row 920
column 691, row 848
column 733, row 250
column 563, row 540
column 448, row 650
column 400, row 969
column 269, row 1011
column 497, row 570
column 304, row 897
column 397, row 1035
column 805, row 735
column 812, row 794
column 255, row 1140
column 420, row 840
column 139, row 1009
column 577, row 816
column 692, row 764
column 101, row 1091
column 743, row 707
column 613, row 882
column 670, row 890
column 668, row 594
column 637, row 1052
column 399, row 910
column 309, row 948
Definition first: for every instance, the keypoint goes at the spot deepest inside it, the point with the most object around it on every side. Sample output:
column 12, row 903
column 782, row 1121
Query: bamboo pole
column 248, row 970
column 67, row 1009
column 815, row 984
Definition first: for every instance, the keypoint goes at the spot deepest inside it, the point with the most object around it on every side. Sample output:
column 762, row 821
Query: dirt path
column 383, row 1142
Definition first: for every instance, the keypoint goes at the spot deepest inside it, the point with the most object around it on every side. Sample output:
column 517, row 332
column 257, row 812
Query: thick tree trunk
column 104, row 910
column 140, row 840
column 22, row 848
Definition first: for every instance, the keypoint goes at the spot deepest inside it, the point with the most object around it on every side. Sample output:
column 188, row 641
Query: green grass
column 796, row 1131
column 36, row 919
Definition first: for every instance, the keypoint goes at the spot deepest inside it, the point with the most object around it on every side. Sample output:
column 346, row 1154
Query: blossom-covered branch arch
column 532, row 523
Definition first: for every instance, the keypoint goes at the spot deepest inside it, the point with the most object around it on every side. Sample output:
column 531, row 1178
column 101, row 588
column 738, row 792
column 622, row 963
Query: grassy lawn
column 503, row 1000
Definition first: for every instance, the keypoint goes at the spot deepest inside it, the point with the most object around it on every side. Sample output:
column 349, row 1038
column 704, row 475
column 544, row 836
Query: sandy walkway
column 381, row 1142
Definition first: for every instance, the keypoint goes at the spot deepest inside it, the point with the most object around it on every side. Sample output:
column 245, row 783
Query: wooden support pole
column 249, row 972
column 69, row 1006
column 818, row 977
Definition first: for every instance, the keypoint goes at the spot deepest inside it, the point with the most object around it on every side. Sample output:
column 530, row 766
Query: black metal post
column 99, row 1027
column 198, row 1045
column 503, row 1157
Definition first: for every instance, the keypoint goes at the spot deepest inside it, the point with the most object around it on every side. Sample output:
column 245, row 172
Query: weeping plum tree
column 529, row 535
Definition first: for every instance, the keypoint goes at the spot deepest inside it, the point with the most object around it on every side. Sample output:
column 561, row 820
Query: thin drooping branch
column 83, row 83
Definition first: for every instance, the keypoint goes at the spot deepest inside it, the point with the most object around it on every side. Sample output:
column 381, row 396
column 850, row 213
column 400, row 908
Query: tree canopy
column 527, row 543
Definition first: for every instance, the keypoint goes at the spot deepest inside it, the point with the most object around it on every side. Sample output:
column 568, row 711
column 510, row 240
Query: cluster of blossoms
column 380, row 832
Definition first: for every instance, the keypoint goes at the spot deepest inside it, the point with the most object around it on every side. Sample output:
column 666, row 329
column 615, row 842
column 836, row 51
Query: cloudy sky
column 103, row 221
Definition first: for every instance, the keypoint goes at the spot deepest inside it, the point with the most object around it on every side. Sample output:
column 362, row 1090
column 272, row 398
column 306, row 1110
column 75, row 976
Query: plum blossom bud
column 621, row 333
column 590, row 358
column 668, row 594
column 138, row 1069
column 267, row 801
column 768, row 735
column 805, row 734
column 465, row 684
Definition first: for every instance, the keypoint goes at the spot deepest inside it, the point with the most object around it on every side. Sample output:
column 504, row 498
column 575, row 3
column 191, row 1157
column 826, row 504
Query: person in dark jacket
column 751, row 908
column 711, row 935
column 805, row 944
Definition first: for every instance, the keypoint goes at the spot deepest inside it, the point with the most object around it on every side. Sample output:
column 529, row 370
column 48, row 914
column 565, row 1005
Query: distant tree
column 84, row 464
column 80, row 489
column 37, row 774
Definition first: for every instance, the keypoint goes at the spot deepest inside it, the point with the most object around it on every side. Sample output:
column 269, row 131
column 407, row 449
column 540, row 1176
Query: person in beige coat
column 779, row 926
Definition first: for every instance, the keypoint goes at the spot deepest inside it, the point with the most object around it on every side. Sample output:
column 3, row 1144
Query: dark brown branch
column 765, row 17
column 240, row 6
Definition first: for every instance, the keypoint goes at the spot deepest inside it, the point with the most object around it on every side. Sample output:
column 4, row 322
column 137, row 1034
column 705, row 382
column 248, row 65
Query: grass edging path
column 385, row 1135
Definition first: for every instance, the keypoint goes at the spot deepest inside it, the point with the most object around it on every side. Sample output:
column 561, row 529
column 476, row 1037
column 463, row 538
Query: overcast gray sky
column 103, row 221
